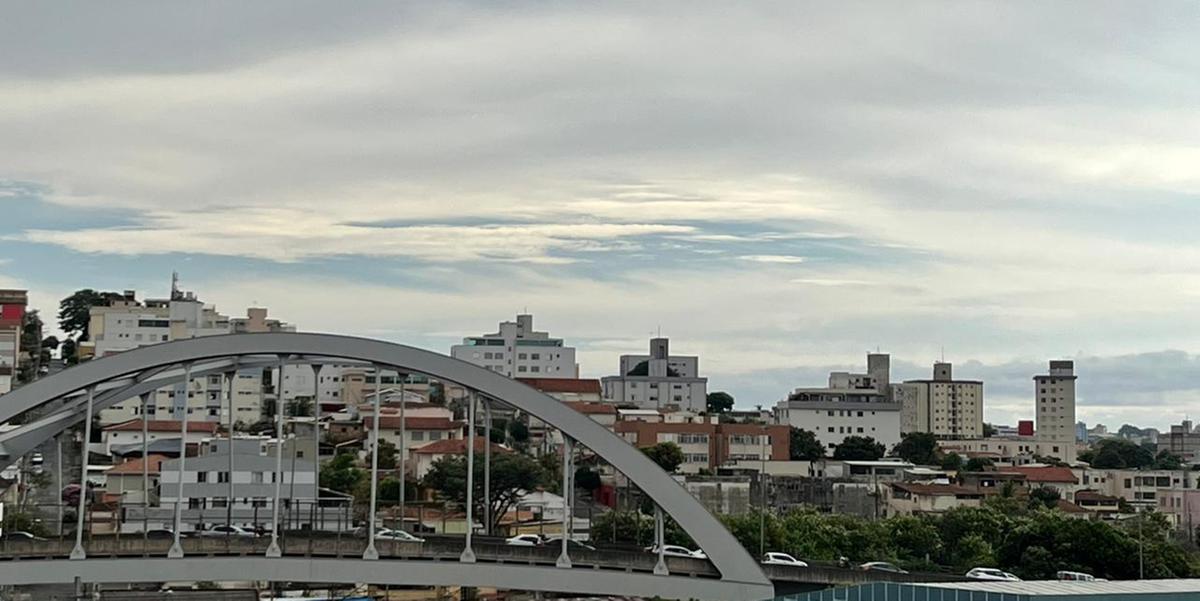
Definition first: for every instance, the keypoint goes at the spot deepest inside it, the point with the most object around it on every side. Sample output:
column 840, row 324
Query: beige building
column 942, row 406
column 1056, row 409
column 908, row 498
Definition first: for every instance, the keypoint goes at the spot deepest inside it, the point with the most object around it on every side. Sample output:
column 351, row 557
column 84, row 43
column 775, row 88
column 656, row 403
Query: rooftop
column 392, row 422
column 134, row 466
column 593, row 408
column 583, row 386
column 1045, row 474
column 456, row 446
column 162, row 425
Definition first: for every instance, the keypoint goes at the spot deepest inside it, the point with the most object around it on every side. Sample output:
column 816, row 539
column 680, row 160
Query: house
column 125, row 479
column 1061, row 479
column 1097, row 502
column 418, row 431
column 424, row 457
column 907, row 498
column 707, row 445
column 130, row 432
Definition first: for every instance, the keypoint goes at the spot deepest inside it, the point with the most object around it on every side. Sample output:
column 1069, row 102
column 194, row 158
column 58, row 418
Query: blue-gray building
column 1129, row 590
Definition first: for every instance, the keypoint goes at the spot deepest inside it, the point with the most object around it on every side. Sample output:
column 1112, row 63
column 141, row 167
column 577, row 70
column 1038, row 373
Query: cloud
column 789, row 259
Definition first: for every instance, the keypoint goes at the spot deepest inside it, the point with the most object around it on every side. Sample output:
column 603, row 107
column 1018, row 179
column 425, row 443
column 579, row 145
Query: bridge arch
column 149, row 367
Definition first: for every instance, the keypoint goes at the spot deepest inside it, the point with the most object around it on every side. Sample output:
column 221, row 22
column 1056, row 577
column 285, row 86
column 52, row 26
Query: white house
column 130, row 432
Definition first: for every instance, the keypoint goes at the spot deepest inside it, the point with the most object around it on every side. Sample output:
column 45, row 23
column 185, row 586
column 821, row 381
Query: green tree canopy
column 75, row 311
column 977, row 464
column 1044, row 497
column 859, row 448
column 804, row 445
column 1118, row 453
column 667, row 455
column 719, row 402
column 512, row 474
column 587, row 479
column 387, row 455
column 952, row 462
column 988, row 430
column 920, row 448
column 342, row 474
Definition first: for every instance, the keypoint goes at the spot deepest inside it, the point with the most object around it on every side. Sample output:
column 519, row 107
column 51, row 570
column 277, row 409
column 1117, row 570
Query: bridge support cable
column 371, row 552
column 403, row 447
column 660, row 567
column 230, row 377
column 146, row 396
column 273, row 550
column 58, row 485
column 468, row 554
column 564, row 556
column 316, row 368
column 78, row 552
column 487, row 465
column 176, row 550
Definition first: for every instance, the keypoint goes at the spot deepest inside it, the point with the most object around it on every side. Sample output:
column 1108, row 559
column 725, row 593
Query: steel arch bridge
column 72, row 395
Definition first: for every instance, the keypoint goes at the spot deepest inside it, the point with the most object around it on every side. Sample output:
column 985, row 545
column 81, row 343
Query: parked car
column 782, row 559
column 882, row 566
column 1075, row 576
column 524, row 540
column 399, row 536
column 21, row 535
column 556, row 541
column 232, row 531
column 990, row 574
column 160, row 533
column 37, row 459
column 677, row 551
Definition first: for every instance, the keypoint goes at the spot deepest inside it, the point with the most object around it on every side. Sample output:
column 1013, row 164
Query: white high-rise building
column 518, row 351
column 658, row 380
column 1055, row 393
column 127, row 323
column 942, row 406
column 854, row 404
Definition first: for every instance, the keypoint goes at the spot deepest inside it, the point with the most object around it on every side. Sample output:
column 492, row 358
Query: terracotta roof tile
column 1046, row 474
column 163, row 425
column 589, row 386
column 134, row 466
column 592, row 408
column 456, row 446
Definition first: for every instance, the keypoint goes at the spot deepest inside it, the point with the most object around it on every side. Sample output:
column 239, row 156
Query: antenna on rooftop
column 943, row 353
column 175, row 295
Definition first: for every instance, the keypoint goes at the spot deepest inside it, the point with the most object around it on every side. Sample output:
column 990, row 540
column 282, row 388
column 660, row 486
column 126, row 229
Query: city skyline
column 1013, row 189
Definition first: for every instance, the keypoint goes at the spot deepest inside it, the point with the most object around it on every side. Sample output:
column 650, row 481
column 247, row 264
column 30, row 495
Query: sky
column 779, row 187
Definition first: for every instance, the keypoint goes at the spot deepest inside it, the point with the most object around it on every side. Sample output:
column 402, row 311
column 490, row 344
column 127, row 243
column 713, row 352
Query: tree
column 511, row 475
column 75, row 311
column 437, row 393
column 50, row 343
column 1165, row 460
column 387, row 455
column 804, row 445
column 719, row 402
column 299, row 407
column 630, row 527
column 858, row 448
column 978, row 464
column 341, row 474
column 920, row 448
column 1044, row 497
column 1129, row 431
column 1118, row 453
column 518, row 431
column 587, row 479
column 667, row 455
column 69, row 352
column 31, row 340
column 952, row 462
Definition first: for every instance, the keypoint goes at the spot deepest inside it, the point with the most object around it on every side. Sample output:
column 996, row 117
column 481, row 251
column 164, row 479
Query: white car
column 233, row 531
column 524, row 540
column 782, row 559
column 677, row 551
column 556, row 541
column 399, row 536
column 991, row 574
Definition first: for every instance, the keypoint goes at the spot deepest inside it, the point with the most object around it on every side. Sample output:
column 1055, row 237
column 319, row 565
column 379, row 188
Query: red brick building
column 710, row 445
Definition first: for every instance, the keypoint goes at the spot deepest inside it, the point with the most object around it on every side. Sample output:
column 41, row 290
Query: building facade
column 942, row 406
column 707, row 445
column 852, row 405
column 658, row 380
column 518, row 351
column 12, row 317
column 1055, row 393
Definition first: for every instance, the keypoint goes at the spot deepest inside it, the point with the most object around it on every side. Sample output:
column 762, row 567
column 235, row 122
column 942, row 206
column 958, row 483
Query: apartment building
column 658, row 380
column 1055, row 393
column 708, row 445
column 518, row 351
column 12, row 317
column 418, row 431
column 128, row 323
column 851, row 405
column 942, row 405
column 1182, row 440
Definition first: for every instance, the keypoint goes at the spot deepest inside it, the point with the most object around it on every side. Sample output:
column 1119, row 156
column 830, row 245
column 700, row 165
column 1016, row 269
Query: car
column 524, row 540
column 677, row 551
column 782, row 559
column 990, row 574
column 571, row 543
column 232, row 531
column 1012, row 577
column 37, row 459
column 160, row 533
column 399, row 536
column 882, row 566
column 21, row 535
column 1075, row 576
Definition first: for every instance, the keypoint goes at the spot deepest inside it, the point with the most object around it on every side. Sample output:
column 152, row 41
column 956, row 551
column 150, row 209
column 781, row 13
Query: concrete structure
column 1142, row 590
column 130, row 432
column 425, row 456
column 418, row 431
column 1182, row 440
column 517, row 350
column 127, row 323
column 125, row 479
column 1056, row 409
column 707, row 446
column 942, row 406
column 722, row 495
column 12, row 317
column 908, row 498
column 852, row 405
column 658, row 380
column 736, row 576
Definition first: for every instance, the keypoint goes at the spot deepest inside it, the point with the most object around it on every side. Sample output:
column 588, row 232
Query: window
column 535, row 369
column 831, row 432
column 522, row 356
column 418, row 436
column 535, row 356
column 258, row 502
column 521, row 368
column 218, row 502
column 695, row 458
column 693, row 439
column 195, row 503
column 435, row 436
column 222, row 477
column 256, row 477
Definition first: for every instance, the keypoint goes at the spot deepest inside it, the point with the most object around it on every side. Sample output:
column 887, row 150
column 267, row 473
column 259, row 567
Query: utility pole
column 762, row 492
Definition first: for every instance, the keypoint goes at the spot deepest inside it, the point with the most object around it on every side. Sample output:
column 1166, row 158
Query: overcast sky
column 780, row 187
